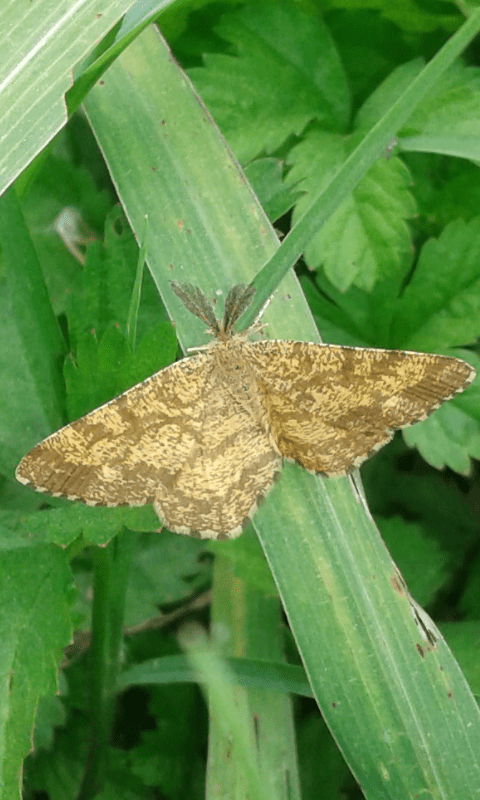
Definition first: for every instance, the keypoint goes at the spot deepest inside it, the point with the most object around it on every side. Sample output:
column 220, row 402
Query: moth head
column 236, row 302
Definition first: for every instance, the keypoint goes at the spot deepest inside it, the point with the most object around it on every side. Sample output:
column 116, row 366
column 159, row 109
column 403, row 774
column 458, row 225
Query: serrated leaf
column 451, row 435
column 427, row 497
column 106, row 368
column 440, row 307
column 155, row 351
column 446, row 438
column 34, row 626
column 50, row 713
column 366, row 238
column 335, row 326
column 107, row 282
column 287, row 73
column 90, row 310
column 165, row 569
column 60, row 776
column 97, row 525
column 455, row 198
column 98, row 373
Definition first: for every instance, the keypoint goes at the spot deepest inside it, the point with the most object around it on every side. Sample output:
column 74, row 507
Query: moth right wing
column 330, row 407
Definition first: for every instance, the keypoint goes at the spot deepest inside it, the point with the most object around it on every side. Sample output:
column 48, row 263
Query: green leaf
column 34, row 626
column 275, row 196
column 96, row 525
column 106, row 285
column 446, row 122
column 382, row 97
column 426, row 497
column 287, row 73
column 247, row 561
column 421, row 560
column 155, row 351
column 98, row 374
column 279, row 677
column 440, row 307
column 451, row 435
column 206, row 251
column 230, row 713
column 50, row 714
column 444, row 196
column 409, row 15
column 460, row 636
column 166, row 569
column 404, row 689
column 366, row 238
column 138, row 16
column 447, row 438
column 347, row 177
column 449, row 121
column 32, row 403
column 45, row 42
column 106, row 368
column 61, row 776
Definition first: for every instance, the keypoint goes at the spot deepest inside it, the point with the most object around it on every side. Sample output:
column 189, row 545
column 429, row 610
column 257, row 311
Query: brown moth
column 204, row 439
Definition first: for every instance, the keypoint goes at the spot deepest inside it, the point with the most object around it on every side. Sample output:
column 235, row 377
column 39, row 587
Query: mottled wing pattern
column 330, row 407
column 230, row 470
column 170, row 441
column 116, row 454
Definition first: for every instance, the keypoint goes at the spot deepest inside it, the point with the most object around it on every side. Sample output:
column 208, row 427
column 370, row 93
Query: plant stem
column 111, row 570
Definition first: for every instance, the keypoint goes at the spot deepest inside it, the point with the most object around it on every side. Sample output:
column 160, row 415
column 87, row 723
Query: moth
column 204, row 439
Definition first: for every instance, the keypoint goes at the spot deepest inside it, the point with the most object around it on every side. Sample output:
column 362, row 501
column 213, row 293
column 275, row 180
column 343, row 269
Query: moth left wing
column 119, row 453
column 177, row 441
column 330, row 407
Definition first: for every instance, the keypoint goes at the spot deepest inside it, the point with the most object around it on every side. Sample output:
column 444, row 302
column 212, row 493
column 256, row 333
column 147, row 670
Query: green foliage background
column 294, row 88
